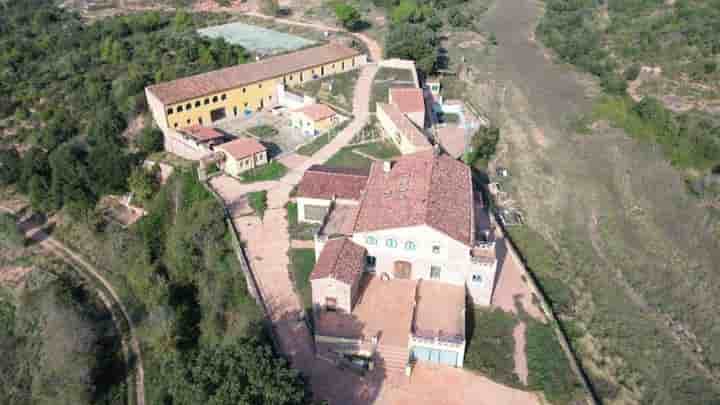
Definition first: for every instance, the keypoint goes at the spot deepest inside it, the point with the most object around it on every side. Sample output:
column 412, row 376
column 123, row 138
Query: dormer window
column 410, row 245
column 391, row 243
column 371, row 240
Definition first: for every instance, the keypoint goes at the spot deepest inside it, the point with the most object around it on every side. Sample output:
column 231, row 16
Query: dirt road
column 108, row 295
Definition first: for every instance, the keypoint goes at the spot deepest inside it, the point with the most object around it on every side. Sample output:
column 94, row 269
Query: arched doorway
column 402, row 269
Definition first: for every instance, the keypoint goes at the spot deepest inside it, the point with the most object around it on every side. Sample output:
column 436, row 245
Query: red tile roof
column 203, row 134
column 405, row 126
column 341, row 259
column 423, row 188
column 242, row 147
column 440, row 309
column 408, row 99
column 240, row 75
column 326, row 182
column 316, row 112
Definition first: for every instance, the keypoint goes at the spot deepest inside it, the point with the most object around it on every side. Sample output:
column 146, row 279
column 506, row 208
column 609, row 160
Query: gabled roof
column 202, row 134
column 341, row 259
column 327, row 182
column 316, row 112
column 242, row 147
column 405, row 126
column 423, row 188
column 408, row 99
column 240, row 75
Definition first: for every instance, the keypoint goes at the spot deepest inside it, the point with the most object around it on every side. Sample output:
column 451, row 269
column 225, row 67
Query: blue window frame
column 410, row 245
column 391, row 243
column 371, row 240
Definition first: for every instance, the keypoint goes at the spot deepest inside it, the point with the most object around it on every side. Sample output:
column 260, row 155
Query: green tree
column 10, row 166
column 415, row 42
column 38, row 193
column 150, row 141
column 348, row 15
column 143, row 184
column 482, row 145
column 182, row 20
column 10, row 234
column 244, row 372
column 270, row 7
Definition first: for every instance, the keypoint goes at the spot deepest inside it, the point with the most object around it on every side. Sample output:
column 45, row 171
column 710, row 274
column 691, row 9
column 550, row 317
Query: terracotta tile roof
column 327, row 182
column 240, row 75
column 385, row 309
column 421, row 188
column 408, row 99
column 242, row 147
column 440, row 309
column 405, row 126
column 452, row 139
column 341, row 259
column 203, row 134
column 316, row 112
column 340, row 220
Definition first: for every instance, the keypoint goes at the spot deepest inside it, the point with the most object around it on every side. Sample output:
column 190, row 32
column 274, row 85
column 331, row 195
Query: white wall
column 302, row 202
column 453, row 258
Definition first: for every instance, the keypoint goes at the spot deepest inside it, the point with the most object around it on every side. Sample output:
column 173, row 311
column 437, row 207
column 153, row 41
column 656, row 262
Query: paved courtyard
column 286, row 140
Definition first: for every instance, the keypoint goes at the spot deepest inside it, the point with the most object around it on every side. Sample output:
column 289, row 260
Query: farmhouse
column 240, row 90
column 397, row 251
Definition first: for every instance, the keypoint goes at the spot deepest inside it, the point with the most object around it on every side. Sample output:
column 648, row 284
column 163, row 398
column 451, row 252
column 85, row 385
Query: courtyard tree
column 10, row 166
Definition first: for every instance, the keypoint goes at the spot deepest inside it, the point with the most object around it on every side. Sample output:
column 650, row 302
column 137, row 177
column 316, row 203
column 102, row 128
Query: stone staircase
column 392, row 359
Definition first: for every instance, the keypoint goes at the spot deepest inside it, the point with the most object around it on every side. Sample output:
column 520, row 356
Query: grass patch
column 263, row 131
column 258, row 202
column 302, row 262
column 548, row 368
column 296, row 229
column 491, row 344
column 346, row 157
column 386, row 78
column 271, row 171
column 320, row 141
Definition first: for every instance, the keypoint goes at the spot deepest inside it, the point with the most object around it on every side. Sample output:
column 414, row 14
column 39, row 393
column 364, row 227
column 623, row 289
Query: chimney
column 387, row 165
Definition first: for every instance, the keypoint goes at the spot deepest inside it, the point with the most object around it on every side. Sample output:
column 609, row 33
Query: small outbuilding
column 314, row 119
column 241, row 155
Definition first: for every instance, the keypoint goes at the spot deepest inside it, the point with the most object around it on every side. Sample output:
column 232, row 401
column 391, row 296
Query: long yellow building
column 240, row 90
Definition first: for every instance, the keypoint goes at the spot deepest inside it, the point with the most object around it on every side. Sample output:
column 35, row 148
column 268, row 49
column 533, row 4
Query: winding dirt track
column 53, row 246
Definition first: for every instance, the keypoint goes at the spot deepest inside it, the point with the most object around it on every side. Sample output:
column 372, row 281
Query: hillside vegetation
column 70, row 91
column 614, row 41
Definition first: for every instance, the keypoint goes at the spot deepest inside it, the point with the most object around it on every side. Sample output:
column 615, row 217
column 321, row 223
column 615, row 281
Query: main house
column 398, row 251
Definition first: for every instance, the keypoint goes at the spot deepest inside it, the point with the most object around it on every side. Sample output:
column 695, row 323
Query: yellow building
column 314, row 119
column 240, row 90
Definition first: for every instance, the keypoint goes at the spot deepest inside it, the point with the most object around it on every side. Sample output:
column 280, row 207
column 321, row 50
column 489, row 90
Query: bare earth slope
column 640, row 255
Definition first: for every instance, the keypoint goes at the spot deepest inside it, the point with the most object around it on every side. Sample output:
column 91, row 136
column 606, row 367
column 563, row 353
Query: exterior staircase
column 392, row 359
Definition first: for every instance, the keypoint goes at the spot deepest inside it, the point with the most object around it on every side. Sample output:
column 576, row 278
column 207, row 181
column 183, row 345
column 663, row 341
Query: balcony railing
column 437, row 338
